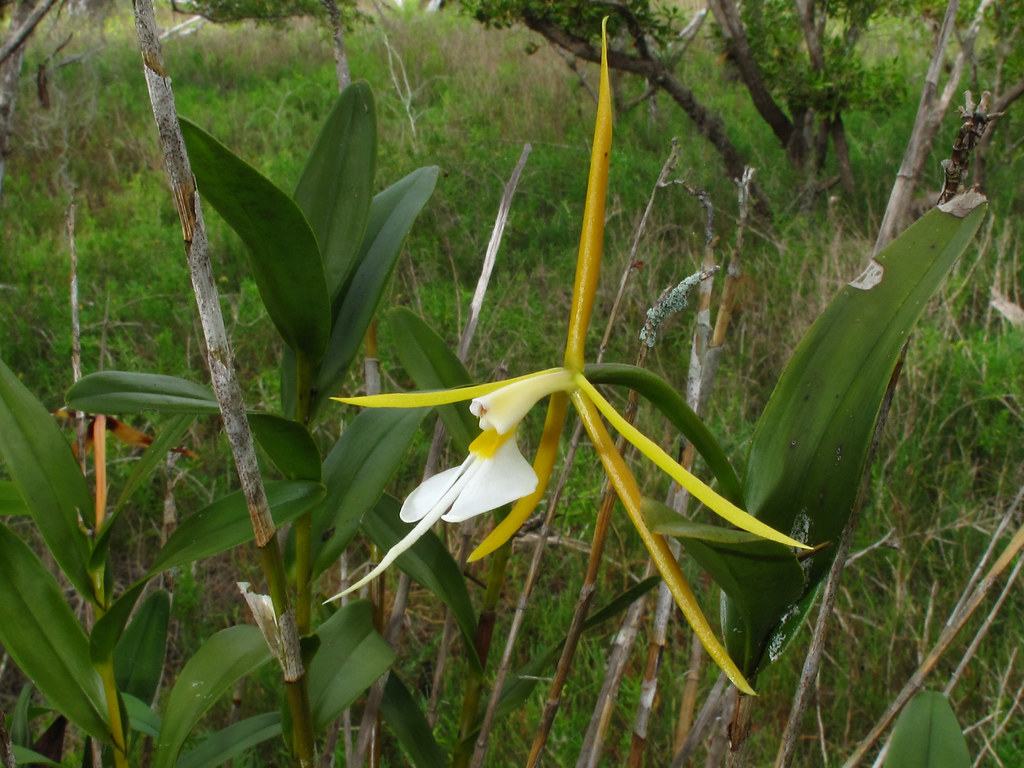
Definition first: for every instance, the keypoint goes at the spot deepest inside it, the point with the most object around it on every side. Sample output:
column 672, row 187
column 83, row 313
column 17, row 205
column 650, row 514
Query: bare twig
column 20, row 35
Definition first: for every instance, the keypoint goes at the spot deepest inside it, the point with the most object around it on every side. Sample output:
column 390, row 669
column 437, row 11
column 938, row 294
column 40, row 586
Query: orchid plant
column 496, row 473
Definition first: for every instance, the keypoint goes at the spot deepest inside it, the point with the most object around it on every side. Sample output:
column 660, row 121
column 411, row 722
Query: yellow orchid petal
column 588, row 262
column 435, row 397
column 699, row 490
column 629, row 493
column 543, row 465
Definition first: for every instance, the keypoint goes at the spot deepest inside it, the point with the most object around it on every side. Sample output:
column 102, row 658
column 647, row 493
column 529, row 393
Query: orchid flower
column 496, row 473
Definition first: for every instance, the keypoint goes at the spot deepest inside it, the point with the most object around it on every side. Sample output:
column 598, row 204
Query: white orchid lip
column 502, row 409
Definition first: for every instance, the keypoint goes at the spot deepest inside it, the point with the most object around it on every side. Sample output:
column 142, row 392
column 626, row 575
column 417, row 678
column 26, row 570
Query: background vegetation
column 466, row 98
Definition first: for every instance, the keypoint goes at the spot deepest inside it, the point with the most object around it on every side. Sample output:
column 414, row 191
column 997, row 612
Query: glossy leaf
column 336, row 186
column 391, row 216
column 811, row 443
column 212, row 671
column 125, row 392
column 41, row 634
column 288, row 444
column 674, row 407
column 49, row 480
column 406, row 720
column 927, row 735
column 283, row 251
column 356, row 471
column 139, row 657
column 351, row 656
column 433, row 365
column 762, row 578
column 427, row 562
column 226, row 523
column 230, row 742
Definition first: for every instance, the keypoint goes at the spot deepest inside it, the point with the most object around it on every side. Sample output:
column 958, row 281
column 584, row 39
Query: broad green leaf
column 336, row 186
column 288, row 444
column 356, row 471
column 226, row 523
column 139, row 657
column 25, row 756
column 126, row 392
column 19, row 729
column 39, row 631
column 11, row 502
column 40, row 462
column 433, row 365
column 762, row 578
column 350, row 658
column 406, row 720
column 391, row 216
column 107, row 630
column 142, row 717
column 283, row 251
column 810, row 445
column 212, row 671
column 673, row 406
column 169, row 437
column 230, row 742
column 927, row 735
column 427, row 562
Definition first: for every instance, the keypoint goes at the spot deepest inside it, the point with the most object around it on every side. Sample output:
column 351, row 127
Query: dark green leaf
column 283, row 252
column 810, row 446
column 356, row 471
column 226, row 523
column 350, row 658
column 222, row 660
column 48, row 477
column 139, row 658
column 230, row 742
column 405, row 719
column 39, row 631
column 429, row 563
column 288, row 444
column 391, row 216
column 11, row 502
column 433, row 365
column 107, row 630
column 25, row 756
column 19, row 730
column 336, row 187
column 115, row 392
column 673, row 406
column 927, row 735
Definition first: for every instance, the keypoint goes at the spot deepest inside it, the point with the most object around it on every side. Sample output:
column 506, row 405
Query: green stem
column 106, row 670
column 304, row 525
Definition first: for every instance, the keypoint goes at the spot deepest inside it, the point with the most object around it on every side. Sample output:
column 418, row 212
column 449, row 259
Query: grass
column 952, row 457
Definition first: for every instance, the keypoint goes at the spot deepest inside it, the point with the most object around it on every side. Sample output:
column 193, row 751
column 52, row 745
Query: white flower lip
column 504, row 408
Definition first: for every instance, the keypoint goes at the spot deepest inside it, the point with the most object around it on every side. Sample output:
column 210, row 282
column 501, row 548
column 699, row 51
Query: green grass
column 952, row 457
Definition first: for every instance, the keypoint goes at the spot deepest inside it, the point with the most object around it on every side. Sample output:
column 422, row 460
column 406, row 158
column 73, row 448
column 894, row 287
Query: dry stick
column 80, row 419
column 222, row 373
column 16, row 38
column 957, row 619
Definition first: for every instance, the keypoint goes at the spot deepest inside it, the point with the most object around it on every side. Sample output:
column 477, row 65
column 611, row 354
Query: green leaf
column 391, row 216
column 350, row 658
column 406, row 720
column 288, row 444
column 11, row 502
column 143, row 718
column 283, row 251
column 25, row 756
column 226, row 523
column 230, row 742
column 107, row 630
column 433, row 365
column 336, row 186
column 39, row 631
column 356, row 471
column 810, row 445
column 139, row 657
column 222, row 660
column 116, row 392
column 429, row 563
column 48, row 478
column 927, row 735
column 673, row 406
